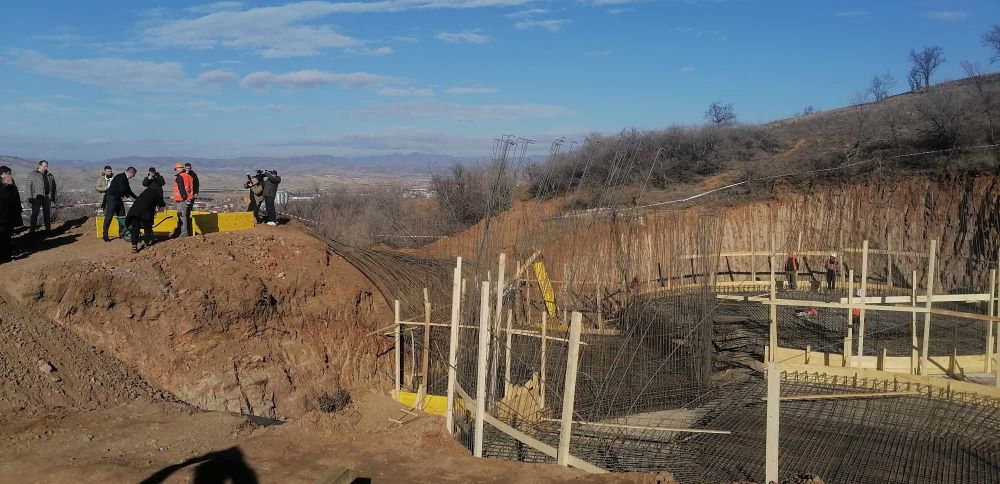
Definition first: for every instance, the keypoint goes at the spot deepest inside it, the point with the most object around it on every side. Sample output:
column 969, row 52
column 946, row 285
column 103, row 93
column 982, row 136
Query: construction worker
column 271, row 181
column 41, row 195
column 183, row 200
column 143, row 212
column 194, row 178
column 103, row 180
column 832, row 266
column 792, row 270
column 118, row 190
column 10, row 213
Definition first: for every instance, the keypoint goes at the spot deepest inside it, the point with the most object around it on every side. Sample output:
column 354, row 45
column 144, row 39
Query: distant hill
column 397, row 163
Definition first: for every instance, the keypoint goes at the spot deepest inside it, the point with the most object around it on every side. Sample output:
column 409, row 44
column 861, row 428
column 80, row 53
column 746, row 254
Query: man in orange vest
column 183, row 199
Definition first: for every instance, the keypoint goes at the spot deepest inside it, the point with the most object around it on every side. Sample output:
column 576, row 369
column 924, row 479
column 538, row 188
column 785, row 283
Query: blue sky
column 91, row 80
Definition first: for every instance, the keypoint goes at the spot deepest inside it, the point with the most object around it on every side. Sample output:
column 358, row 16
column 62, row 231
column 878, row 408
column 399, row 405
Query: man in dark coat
column 10, row 213
column 118, row 190
column 143, row 212
column 271, row 181
column 154, row 176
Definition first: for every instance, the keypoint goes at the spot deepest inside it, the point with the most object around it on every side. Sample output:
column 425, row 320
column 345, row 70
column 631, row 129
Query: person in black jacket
column 118, row 190
column 271, row 181
column 194, row 178
column 10, row 213
column 154, row 176
column 143, row 212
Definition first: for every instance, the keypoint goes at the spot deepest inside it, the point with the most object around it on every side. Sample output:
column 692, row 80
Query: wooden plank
column 753, row 255
column 850, row 317
column 914, row 354
column 989, row 324
column 837, row 396
column 484, row 345
column 456, row 302
column 569, row 388
column 773, row 417
column 773, row 312
column 398, row 349
column 864, row 288
column 541, row 370
column 425, row 356
column 645, row 427
column 927, row 316
column 869, row 307
column 507, row 350
column 923, row 299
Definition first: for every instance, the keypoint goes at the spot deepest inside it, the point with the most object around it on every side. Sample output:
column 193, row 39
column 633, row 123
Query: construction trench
column 675, row 345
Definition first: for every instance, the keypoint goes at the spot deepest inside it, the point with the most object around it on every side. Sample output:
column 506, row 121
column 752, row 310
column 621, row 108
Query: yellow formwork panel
column 545, row 285
column 165, row 223
column 436, row 404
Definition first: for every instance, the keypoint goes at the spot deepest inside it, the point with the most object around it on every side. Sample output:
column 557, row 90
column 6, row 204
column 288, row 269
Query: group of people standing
column 263, row 188
column 142, row 213
column 41, row 196
column 831, row 265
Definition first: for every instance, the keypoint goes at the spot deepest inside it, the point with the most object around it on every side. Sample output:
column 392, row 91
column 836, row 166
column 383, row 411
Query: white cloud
column 264, row 80
column 600, row 53
column 215, row 7
column 531, row 12
column 470, row 90
column 217, row 76
column 463, row 112
column 289, row 30
column 552, row 25
column 405, row 91
column 465, row 36
column 854, row 14
column 687, row 69
column 947, row 15
column 108, row 72
column 377, row 52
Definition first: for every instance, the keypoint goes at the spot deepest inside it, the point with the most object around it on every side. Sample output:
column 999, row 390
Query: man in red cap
column 183, row 200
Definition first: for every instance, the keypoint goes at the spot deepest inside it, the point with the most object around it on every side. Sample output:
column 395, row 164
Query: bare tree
column 721, row 114
column 862, row 112
column 992, row 39
column 926, row 61
column 984, row 93
column 914, row 80
column 881, row 85
column 806, row 111
column 945, row 115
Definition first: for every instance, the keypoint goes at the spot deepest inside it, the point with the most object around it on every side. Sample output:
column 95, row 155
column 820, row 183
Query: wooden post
column 456, row 302
column 398, row 351
column 773, row 331
column 927, row 316
column 989, row 324
column 773, row 417
column 753, row 257
column 497, row 319
column 808, row 356
column 850, row 317
column 848, row 342
column 864, row 294
column 888, row 260
column 541, row 369
column 425, row 357
column 881, row 360
column 569, row 389
column 914, row 353
column 484, row 351
column 506, row 378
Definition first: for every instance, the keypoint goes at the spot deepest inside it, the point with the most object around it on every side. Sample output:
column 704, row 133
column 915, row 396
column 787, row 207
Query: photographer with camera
column 271, row 181
column 154, row 176
column 255, row 184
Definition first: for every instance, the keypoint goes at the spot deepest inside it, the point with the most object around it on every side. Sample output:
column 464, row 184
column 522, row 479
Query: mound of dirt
column 45, row 367
column 259, row 322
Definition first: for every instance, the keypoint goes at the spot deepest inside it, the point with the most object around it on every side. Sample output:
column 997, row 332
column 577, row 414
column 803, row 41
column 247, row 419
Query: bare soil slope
column 260, row 322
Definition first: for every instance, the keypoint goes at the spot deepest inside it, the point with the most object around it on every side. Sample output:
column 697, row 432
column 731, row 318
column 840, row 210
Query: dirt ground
column 96, row 369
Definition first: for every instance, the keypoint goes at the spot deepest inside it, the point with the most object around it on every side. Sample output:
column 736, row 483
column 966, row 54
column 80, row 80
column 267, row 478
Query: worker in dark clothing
column 194, row 181
column 143, row 212
column 254, row 183
column 41, row 195
column 118, row 190
column 792, row 270
column 10, row 213
column 832, row 267
column 271, row 181
column 154, row 176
